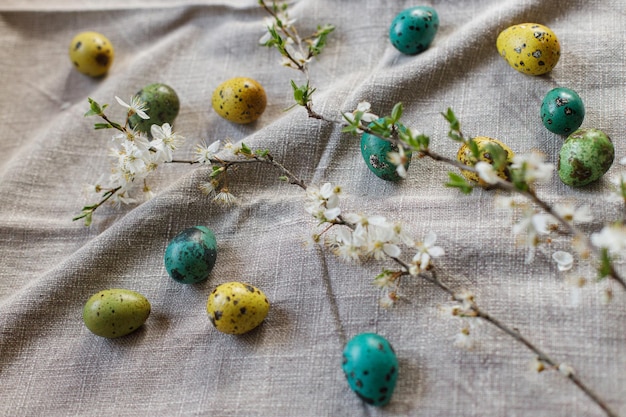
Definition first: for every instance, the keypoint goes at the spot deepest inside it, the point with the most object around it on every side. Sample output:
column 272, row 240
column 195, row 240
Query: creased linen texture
column 177, row 364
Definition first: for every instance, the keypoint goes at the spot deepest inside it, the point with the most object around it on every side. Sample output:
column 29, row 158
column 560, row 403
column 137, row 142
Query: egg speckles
column 413, row 30
column 585, row 156
column 115, row 312
column 562, row 111
column 163, row 107
column 91, row 53
column 237, row 308
column 371, row 368
column 191, row 255
column 239, row 100
column 466, row 157
column 529, row 48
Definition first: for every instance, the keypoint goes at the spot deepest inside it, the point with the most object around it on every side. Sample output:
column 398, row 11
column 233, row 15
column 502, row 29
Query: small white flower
column 378, row 245
column 120, row 198
column 532, row 225
column 612, row 238
column 571, row 214
column 207, row 187
column 204, row 153
column 399, row 159
column 486, row 172
column 134, row 158
column 385, row 280
column 225, row 198
column 533, row 166
column 402, row 236
column 348, row 245
column 366, row 117
column 137, row 106
column 388, row 300
column 165, row 141
column 426, row 251
column 564, row 260
column 464, row 339
column 566, row 370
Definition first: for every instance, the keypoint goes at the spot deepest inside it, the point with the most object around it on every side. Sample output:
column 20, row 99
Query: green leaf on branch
column 396, row 112
column 473, row 146
column 302, row 94
column 457, row 181
column 94, row 108
column 605, row 268
column 497, row 155
column 102, row 126
column 318, row 39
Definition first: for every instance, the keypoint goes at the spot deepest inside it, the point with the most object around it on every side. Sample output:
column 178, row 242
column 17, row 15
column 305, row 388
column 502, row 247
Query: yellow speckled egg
column 237, row 308
column 239, row 100
column 91, row 53
column 466, row 157
column 530, row 48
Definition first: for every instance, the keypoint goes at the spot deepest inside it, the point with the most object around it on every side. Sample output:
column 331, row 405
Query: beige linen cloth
column 177, row 364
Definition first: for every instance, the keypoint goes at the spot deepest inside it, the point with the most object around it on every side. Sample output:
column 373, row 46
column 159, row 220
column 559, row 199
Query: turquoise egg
column 562, row 111
column 163, row 106
column 371, row 367
column 585, row 156
column 413, row 30
column 374, row 151
column 190, row 256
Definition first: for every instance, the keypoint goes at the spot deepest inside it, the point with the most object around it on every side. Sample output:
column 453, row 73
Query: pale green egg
column 115, row 312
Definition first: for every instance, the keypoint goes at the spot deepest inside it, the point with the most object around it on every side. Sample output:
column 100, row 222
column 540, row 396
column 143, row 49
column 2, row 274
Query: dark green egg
column 562, row 111
column 163, row 106
column 371, row 368
column 585, row 156
column 374, row 151
column 191, row 255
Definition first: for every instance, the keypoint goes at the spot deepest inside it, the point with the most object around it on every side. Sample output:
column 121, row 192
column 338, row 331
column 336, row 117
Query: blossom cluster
column 370, row 237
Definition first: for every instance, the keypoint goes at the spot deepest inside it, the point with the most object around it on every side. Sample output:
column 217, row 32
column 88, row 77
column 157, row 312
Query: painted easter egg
column 236, row 307
column 163, row 107
column 371, row 368
column 375, row 150
column 562, row 111
column 413, row 30
column 466, row 157
column 115, row 312
column 239, row 100
column 530, row 48
column 191, row 255
column 91, row 53
column 585, row 156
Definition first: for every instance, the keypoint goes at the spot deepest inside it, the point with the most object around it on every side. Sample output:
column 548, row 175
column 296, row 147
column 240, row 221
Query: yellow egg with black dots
column 237, row 308
column 530, row 48
column 467, row 157
column 91, row 53
column 240, row 100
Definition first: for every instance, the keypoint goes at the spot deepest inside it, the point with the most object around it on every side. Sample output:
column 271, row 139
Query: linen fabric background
column 177, row 363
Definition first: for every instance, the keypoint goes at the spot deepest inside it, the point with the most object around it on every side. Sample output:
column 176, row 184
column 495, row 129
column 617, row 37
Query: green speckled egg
column 585, row 156
column 371, row 367
column 413, row 29
column 374, row 151
column 115, row 312
column 530, row 48
column 163, row 106
column 191, row 255
column 465, row 156
column 237, row 308
column 562, row 111
column 91, row 53
column 239, row 100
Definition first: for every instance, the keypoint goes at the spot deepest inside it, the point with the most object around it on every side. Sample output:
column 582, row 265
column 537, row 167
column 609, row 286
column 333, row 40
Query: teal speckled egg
column 413, row 30
column 116, row 312
column 371, row 367
column 585, row 156
column 191, row 255
column 163, row 106
column 374, row 151
column 562, row 111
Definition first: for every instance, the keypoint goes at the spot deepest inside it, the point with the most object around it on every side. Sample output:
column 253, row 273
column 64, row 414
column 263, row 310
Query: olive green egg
column 115, row 312
column 585, row 156
column 236, row 307
column 163, row 107
column 239, row 100
column 91, row 53
column 466, row 157
column 529, row 48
